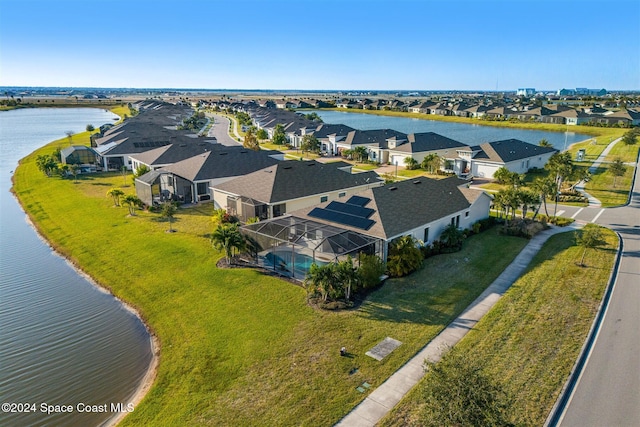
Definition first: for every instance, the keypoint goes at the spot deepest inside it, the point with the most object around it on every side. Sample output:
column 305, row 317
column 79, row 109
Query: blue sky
column 332, row 44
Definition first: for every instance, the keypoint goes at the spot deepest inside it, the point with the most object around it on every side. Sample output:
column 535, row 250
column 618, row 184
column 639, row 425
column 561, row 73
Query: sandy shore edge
column 152, row 370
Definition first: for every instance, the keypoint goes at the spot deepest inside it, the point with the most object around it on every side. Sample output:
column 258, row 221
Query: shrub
column 370, row 270
column 404, row 256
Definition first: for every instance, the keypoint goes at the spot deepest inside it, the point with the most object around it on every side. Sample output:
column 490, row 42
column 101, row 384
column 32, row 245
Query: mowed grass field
column 238, row 347
column 531, row 339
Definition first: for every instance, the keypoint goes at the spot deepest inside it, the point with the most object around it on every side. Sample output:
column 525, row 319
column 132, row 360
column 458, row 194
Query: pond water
column 62, row 340
column 466, row 133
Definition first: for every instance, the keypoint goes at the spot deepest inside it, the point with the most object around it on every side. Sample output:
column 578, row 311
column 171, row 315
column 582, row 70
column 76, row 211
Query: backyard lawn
column 530, row 340
column 238, row 347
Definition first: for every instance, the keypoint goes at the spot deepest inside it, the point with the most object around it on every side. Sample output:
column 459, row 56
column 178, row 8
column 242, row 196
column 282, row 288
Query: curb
column 558, row 410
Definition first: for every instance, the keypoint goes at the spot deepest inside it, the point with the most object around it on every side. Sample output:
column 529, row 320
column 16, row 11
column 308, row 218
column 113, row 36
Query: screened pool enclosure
column 289, row 245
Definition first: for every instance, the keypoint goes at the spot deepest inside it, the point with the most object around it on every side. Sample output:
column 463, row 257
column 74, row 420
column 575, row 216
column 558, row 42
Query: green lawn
column 601, row 186
column 627, row 153
column 532, row 337
column 238, row 347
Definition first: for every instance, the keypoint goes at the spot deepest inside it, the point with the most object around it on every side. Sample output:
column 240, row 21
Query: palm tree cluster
column 333, row 281
column 227, row 237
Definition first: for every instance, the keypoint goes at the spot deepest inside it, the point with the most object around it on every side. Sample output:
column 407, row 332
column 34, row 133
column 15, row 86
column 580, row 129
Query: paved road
column 220, row 130
column 608, row 390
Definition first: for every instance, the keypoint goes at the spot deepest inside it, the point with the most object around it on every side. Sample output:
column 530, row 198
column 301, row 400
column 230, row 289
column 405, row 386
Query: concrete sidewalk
column 381, row 400
column 593, row 202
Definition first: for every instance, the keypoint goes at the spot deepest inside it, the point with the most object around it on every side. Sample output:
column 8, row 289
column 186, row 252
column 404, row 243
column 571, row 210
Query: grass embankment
column 239, row 347
column 532, row 337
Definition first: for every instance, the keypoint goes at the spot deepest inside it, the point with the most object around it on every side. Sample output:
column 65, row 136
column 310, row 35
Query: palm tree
column 132, row 202
column 452, row 236
column 528, row 199
column 321, row 279
column 115, row 193
column 228, row 238
column 168, row 211
column 431, row 162
column 544, row 187
column 544, row 143
column 348, row 276
column 360, row 153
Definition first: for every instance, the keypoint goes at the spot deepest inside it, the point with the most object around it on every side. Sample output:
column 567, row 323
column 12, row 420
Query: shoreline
column 152, row 370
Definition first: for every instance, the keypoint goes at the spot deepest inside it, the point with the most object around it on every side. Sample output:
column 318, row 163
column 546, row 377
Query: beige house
column 289, row 186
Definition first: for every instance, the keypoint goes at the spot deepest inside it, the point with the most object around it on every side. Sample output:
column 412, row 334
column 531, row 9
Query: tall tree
column 310, row 143
column 168, row 211
column 46, row 164
column 590, row 237
column 431, row 162
column 251, row 141
column 262, row 134
column 617, row 169
column 228, row 238
column 545, row 187
column 279, row 137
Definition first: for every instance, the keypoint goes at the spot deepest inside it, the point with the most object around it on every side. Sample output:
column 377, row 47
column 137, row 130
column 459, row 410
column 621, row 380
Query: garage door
column 483, row 170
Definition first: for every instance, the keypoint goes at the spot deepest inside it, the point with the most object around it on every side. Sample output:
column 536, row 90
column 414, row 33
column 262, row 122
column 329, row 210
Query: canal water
column 465, row 133
column 62, row 341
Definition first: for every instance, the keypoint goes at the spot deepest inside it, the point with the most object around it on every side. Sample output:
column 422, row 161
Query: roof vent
column 311, row 164
column 183, row 145
column 286, row 167
column 224, row 153
column 393, row 188
column 243, row 151
column 417, row 182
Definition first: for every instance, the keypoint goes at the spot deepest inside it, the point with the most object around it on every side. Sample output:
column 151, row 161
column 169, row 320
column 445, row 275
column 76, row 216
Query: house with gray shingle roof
column 517, row 156
column 290, row 185
column 190, row 180
column 419, row 207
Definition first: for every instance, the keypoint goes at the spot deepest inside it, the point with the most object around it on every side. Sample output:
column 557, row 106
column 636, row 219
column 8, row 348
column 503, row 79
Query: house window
column 453, row 221
column 458, row 221
column 324, row 199
column 279, row 210
column 466, row 214
column 202, row 188
column 426, row 235
column 342, row 194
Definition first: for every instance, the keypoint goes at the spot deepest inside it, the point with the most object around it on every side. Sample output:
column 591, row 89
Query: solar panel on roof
column 358, row 200
column 350, row 209
column 342, row 218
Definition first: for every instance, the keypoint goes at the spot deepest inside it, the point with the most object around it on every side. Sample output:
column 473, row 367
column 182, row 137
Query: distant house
column 288, row 186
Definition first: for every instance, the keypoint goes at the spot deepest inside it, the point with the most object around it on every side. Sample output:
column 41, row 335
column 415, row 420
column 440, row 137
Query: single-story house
column 517, row 156
column 81, row 155
column 190, row 180
column 366, row 222
column 288, row 186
